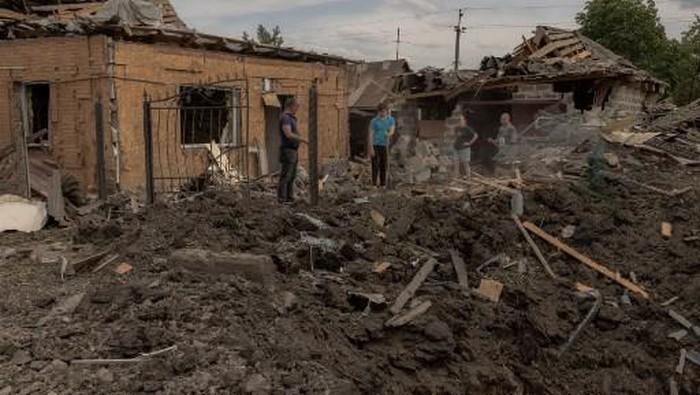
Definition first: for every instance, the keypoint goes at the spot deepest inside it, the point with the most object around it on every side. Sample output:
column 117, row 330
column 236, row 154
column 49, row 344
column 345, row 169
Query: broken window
column 210, row 115
column 37, row 98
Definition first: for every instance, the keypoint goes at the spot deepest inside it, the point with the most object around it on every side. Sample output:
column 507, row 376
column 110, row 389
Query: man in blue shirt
column 381, row 129
column 289, row 147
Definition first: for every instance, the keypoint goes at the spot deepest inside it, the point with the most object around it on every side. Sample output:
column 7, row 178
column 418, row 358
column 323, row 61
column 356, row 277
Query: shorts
column 463, row 156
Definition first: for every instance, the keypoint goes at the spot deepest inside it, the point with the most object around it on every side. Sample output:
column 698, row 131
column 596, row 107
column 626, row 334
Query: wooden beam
column 551, row 47
column 413, row 286
column 461, row 271
column 569, row 50
column 534, row 247
column 611, row 274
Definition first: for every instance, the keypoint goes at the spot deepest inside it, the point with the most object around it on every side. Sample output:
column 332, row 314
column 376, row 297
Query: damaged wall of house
column 178, row 67
column 61, row 78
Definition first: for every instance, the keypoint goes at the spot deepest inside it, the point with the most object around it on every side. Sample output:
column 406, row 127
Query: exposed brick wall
column 181, row 66
column 536, row 92
column 630, row 98
column 72, row 66
column 76, row 69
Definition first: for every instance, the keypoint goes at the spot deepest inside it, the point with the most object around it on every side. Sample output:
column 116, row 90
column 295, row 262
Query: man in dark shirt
column 289, row 155
column 466, row 136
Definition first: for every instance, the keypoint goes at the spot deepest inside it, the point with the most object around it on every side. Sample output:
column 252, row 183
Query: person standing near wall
column 465, row 138
column 381, row 129
column 289, row 151
column 506, row 136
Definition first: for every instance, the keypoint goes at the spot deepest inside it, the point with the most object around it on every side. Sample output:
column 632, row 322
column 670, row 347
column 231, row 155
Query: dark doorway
column 38, row 97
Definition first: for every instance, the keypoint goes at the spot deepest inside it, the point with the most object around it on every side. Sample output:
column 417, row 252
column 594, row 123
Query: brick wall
column 176, row 66
column 72, row 66
column 630, row 98
column 536, row 92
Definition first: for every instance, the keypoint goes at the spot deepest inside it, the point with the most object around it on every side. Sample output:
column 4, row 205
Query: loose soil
column 299, row 333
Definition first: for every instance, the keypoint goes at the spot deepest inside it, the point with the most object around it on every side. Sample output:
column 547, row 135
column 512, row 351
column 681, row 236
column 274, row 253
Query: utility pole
column 398, row 41
column 459, row 30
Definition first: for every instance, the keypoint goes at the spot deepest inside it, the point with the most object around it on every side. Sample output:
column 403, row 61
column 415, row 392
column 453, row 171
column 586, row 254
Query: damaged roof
column 556, row 55
column 374, row 82
column 148, row 21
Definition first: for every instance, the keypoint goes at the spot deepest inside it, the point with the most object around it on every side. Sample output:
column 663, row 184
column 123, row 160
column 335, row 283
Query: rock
column 362, row 300
column 438, row 330
column 6, row 391
column 7, row 253
column 37, row 365
column 568, row 232
column 58, row 366
column 21, row 357
column 257, row 268
column 422, row 176
column 257, row 384
column 290, row 302
column 612, row 159
column 105, row 376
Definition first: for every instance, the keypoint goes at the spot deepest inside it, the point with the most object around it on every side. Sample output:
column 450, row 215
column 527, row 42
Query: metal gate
column 197, row 138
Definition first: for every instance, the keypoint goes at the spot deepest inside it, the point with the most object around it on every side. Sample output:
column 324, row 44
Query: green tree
column 687, row 65
column 266, row 36
column 630, row 28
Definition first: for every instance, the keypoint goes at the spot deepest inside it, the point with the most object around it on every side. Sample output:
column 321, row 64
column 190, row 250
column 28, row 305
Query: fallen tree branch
column 613, row 275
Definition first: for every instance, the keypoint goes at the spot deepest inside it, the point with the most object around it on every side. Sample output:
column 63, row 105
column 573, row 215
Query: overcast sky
column 366, row 29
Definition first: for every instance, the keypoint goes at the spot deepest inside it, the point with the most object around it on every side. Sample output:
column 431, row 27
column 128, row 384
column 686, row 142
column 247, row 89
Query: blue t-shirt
column 290, row 120
column 380, row 129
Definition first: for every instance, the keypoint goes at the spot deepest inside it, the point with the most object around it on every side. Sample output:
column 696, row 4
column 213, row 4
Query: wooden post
column 100, row 145
column 313, row 142
column 148, row 148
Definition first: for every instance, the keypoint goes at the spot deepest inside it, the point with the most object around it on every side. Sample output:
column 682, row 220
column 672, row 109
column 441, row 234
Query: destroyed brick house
column 553, row 72
column 74, row 75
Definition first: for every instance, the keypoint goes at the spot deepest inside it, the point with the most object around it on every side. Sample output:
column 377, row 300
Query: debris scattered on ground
column 666, row 230
column 490, row 290
column 413, row 286
column 123, row 268
column 615, row 276
column 21, row 215
column 410, row 315
column 681, row 362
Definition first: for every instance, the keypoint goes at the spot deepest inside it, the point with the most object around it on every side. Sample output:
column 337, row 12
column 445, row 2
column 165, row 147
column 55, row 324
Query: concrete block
column 258, row 268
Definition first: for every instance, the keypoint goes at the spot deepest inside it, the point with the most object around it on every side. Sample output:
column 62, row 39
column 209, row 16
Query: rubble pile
column 403, row 292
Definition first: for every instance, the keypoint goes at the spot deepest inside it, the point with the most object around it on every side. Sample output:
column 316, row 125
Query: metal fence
column 197, row 138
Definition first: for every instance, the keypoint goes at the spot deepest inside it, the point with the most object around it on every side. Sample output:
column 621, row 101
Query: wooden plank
column 527, row 44
column 611, row 274
column 583, row 55
column 403, row 319
column 413, row 286
column 569, row 50
column 553, row 46
column 560, row 36
column 461, row 271
column 534, row 247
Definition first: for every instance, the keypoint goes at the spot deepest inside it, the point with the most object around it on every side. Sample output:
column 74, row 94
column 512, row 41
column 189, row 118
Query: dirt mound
column 303, row 332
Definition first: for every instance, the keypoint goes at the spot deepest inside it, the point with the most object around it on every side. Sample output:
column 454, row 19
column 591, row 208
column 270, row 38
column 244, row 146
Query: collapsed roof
column 555, row 55
column 373, row 83
column 150, row 21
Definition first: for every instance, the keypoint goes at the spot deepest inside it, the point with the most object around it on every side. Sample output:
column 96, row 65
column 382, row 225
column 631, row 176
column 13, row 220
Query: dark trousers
column 288, row 174
column 380, row 160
